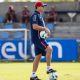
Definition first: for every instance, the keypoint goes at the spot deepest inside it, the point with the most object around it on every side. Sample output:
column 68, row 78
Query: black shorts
column 40, row 47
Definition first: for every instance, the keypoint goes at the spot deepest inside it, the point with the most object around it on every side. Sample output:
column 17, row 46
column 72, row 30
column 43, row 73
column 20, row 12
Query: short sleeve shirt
column 36, row 18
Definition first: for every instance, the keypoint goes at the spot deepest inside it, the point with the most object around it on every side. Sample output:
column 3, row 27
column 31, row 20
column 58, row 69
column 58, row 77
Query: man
column 52, row 16
column 25, row 14
column 11, row 16
column 41, row 46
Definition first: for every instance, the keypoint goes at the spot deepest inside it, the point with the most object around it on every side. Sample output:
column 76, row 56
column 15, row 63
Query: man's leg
column 35, row 67
column 48, row 56
column 48, row 60
column 36, row 62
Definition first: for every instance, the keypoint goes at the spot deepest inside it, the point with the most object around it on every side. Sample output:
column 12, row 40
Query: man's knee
column 49, row 49
column 39, row 55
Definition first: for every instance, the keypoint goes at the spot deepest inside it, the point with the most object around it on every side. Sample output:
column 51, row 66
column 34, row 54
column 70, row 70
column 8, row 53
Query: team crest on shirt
column 34, row 18
column 40, row 17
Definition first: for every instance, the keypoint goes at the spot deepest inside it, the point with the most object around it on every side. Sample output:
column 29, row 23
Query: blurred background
column 62, row 17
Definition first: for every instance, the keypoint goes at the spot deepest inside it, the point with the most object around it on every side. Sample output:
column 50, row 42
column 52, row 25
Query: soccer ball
column 43, row 34
column 53, row 76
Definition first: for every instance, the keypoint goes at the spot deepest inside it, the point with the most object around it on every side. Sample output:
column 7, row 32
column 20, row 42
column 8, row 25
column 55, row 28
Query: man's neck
column 38, row 11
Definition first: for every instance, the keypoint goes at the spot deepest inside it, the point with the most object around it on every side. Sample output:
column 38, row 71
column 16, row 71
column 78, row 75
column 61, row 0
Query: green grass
column 22, row 71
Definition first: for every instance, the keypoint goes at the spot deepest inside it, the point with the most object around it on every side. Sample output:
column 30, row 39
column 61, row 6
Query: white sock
column 49, row 67
column 33, row 74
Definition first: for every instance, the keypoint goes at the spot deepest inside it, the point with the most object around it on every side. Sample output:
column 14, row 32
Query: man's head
column 25, row 7
column 52, row 8
column 11, row 7
column 39, row 6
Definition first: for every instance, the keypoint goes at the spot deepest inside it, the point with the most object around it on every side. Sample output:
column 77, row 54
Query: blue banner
column 63, row 50
column 12, row 49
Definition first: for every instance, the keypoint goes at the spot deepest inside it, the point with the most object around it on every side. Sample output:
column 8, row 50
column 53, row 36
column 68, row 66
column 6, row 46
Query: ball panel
column 53, row 76
column 43, row 34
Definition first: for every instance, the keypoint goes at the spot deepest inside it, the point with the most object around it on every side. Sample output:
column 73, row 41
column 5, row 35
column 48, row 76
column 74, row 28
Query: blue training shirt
column 36, row 18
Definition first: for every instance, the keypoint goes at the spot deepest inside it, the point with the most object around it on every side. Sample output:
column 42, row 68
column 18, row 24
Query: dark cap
column 39, row 4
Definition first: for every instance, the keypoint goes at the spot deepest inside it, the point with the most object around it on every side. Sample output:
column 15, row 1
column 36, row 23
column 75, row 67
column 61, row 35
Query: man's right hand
column 47, row 31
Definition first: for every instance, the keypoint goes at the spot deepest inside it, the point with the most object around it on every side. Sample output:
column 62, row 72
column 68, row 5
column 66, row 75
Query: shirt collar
column 37, row 12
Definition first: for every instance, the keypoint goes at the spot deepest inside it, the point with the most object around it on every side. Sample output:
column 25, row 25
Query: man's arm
column 39, row 28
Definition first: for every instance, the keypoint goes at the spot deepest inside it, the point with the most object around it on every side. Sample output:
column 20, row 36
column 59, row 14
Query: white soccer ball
column 53, row 76
column 43, row 34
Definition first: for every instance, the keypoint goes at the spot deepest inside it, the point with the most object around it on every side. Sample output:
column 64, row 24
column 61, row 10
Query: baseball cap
column 38, row 4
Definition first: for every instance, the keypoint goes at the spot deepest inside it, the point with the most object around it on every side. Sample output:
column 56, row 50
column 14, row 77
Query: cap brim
column 44, row 4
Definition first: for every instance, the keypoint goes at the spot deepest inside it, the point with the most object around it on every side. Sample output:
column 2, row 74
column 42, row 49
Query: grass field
column 22, row 71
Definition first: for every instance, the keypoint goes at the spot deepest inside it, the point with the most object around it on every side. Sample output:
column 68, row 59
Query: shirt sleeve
column 34, row 19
